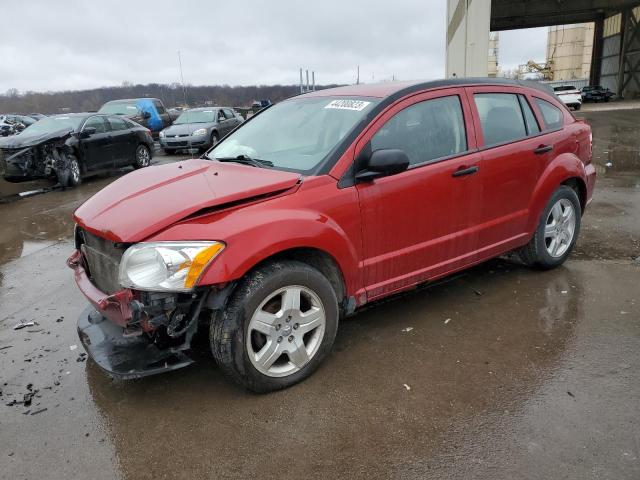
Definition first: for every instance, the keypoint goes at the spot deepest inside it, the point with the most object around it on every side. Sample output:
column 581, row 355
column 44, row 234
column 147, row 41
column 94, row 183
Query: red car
column 317, row 206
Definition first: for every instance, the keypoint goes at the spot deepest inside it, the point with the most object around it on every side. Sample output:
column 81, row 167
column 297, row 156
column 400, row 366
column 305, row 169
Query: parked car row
column 574, row 98
column 12, row 124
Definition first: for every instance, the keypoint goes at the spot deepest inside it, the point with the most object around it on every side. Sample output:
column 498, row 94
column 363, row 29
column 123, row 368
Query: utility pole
column 358, row 76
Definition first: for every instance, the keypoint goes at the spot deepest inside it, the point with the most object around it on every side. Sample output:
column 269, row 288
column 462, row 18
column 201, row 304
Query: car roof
column 397, row 89
column 202, row 109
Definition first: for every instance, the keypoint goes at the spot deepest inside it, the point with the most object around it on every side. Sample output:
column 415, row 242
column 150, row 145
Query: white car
column 569, row 95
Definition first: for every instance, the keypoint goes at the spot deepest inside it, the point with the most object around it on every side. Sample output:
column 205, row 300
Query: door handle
column 465, row 171
column 543, row 149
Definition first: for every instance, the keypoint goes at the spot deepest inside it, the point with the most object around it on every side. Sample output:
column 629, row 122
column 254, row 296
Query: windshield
column 53, row 124
column 119, row 109
column 296, row 134
column 197, row 116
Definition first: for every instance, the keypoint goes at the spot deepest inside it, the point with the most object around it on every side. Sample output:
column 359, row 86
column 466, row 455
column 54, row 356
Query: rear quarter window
column 552, row 115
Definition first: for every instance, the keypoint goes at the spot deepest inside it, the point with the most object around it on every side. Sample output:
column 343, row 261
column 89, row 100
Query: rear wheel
column 143, row 157
column 278, row 326
column 577, row 106
column 557, row 231
column 214, row 138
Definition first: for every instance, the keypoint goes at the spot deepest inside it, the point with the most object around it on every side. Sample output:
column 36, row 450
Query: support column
column 596, row 52
column 468, row 38
column 623, row 51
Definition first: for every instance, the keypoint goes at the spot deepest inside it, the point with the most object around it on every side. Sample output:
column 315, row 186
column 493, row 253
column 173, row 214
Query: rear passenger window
column 500, row 117
column 551, row 114
column 425, row 131
column 529, row 117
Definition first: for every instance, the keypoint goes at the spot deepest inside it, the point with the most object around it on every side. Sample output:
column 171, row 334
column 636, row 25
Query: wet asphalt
column 499, row 373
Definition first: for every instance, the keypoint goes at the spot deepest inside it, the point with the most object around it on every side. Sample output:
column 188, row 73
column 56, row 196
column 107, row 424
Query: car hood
column 186, row 128
column 28, row 139
column 148, row 200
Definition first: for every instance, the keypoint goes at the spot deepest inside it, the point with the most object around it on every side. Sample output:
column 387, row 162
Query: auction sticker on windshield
column 357, row 105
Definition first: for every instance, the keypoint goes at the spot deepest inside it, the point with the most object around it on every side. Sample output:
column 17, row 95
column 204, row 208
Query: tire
column 606, row 99
column 577, row 107
column 142, row 157
column 71, row 174
column 541, row 251
column 261, row 294
column 214, row 139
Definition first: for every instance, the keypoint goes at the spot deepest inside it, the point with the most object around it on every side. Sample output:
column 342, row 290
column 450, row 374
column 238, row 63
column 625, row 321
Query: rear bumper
column 121, row 356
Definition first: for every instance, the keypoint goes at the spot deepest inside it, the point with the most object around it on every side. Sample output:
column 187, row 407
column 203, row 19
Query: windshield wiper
column 246, row 160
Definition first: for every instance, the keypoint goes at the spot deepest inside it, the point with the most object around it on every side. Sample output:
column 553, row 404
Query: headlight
column 166, row 266
column 199, row 132
column 162, row 133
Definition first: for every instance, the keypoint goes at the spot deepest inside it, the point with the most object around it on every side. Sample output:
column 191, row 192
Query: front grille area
column 103, row 259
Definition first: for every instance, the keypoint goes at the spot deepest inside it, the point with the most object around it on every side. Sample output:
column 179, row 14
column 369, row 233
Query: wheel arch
column 565, row 169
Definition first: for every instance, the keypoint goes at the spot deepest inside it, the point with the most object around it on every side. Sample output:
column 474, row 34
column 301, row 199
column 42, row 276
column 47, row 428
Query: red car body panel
column 146, row 201
column 386, row 235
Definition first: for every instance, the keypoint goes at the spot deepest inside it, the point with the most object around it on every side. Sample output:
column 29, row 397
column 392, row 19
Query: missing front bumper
column 123, row 356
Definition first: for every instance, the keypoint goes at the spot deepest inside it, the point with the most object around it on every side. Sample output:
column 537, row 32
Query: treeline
column 172, row 95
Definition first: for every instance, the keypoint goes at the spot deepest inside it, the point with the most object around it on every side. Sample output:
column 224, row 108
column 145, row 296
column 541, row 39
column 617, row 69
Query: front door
column 97, row 148
column 418, row 224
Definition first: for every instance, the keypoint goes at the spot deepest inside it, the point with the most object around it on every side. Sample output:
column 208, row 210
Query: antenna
column 184, row 95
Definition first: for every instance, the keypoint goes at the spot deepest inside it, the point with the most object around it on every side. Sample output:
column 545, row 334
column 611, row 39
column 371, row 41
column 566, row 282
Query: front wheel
column 69, row 173
column 143, row 157
column 557, row 231
column 278, row 326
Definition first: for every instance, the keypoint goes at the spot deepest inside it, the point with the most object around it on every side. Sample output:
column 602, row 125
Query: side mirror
column 88, row 131
column 383, row 163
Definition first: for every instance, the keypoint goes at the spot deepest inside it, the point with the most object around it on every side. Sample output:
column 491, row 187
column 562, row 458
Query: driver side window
column 425, row 131
column 97, row 123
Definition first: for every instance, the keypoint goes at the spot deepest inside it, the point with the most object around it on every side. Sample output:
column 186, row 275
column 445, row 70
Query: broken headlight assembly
column 166, row 266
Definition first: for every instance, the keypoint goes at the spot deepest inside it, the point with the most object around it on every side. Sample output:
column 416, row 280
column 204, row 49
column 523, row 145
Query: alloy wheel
column 75, row 171
column 286, row 331
column 143, row 156
column 560, row 228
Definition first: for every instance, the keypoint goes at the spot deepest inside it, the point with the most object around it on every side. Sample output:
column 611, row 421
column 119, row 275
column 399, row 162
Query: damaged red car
column 317, row 206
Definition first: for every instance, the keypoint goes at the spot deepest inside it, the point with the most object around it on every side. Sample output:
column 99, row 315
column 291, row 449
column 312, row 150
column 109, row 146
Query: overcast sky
column 69, row 45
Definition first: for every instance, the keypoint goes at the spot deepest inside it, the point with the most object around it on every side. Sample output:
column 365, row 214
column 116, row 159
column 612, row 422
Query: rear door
column 162, row 113
column 123, row 152
column 418, row 224
column 514, row 153
column 97, row 149
column 224, row 125
column 232, row 118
